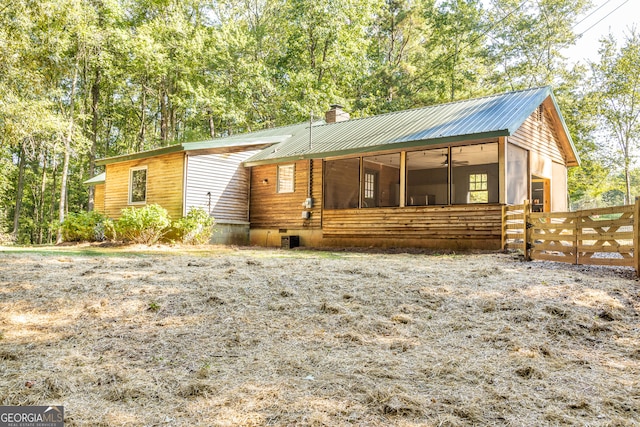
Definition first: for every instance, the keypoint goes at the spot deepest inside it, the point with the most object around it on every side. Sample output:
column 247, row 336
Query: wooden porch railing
column 603, row 236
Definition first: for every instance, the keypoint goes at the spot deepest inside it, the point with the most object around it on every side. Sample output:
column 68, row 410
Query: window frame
column 131, row 183
column 280, row 181
column 483, row 182
column 370, row 184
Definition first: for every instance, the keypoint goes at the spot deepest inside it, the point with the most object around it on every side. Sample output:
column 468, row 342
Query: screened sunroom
column 457, row 175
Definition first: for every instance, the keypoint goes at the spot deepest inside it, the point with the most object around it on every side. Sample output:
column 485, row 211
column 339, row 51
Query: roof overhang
column 140, row 155
column 98, row 179
column 204, row 147
column 566, row 142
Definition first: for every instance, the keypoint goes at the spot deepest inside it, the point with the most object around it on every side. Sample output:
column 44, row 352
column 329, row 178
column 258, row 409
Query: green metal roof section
column 98, row 179
column 486, row 117
column 261, row 137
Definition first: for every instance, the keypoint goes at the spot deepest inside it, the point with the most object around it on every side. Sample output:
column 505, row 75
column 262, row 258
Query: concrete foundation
column 231, row 233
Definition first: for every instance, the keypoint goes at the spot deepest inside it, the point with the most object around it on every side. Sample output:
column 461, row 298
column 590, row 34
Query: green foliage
column 616, row 93
column 527, row 39
column 196, row 228
column 108, row 229
column 83, row 227
column 6, row 239
column 613, row 197
column 144, row 225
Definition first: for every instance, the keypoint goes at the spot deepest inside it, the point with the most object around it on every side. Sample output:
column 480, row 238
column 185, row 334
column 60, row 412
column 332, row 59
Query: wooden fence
column 604, row 236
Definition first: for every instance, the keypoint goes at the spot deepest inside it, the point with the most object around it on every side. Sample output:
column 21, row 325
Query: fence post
column 636, row 237
column 577, row 231
column 504, row 228
column 526, row 211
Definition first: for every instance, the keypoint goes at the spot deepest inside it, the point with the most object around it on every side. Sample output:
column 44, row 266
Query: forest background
column 86, row 79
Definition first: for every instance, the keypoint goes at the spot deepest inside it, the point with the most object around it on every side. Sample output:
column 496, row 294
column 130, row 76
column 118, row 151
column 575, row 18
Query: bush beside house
column 146, row 225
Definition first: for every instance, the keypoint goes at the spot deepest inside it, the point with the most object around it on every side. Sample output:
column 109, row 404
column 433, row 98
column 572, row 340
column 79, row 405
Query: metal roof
column 247, row 140
column 487, row 117
column 98, row 179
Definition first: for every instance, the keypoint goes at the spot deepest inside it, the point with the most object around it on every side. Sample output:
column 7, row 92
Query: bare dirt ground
column 241, row 337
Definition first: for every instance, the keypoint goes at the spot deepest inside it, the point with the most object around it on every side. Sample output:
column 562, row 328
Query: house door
column 370, row 192
column 540, row 194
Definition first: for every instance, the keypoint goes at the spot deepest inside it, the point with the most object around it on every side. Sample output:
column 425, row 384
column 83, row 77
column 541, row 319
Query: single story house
column 434, row 177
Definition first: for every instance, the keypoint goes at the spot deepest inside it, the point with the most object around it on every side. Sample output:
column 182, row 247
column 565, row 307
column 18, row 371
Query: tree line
column 87, row 79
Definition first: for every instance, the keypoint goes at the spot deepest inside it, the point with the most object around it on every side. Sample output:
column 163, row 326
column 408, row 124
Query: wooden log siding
column 164, row 184
column 98, row 198
column 272, row 210
column 539, row 137
column 457, row 224
column 224, row 176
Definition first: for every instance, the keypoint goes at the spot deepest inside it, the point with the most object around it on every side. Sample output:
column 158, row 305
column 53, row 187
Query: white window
column 286, row 178
column 478, row 188
column 138, row 185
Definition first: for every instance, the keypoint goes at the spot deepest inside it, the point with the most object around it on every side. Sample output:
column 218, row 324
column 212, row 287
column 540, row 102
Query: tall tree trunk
column 95, row 99
column 63, row 188
column 19, row 191
column 164, row 115
column 453, row 70
column 52, row 206
column 67, row 151
column 212, row 126
column 143, row 117
column 173, row 120
column 627, row 175
column 43, row 188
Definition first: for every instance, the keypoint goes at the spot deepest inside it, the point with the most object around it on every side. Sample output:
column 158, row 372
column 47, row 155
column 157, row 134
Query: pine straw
column 256, row 337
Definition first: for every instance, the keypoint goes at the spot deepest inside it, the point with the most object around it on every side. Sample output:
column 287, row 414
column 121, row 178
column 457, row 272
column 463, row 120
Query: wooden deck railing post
column 577, row 231
column 636, row 237
column 526, row 211
column 504, row 228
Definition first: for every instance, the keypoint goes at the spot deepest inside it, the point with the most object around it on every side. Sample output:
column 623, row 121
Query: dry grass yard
column 244, row 337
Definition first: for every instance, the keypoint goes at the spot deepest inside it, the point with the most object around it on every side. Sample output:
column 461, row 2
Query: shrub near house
column 83, row 226
column 196, row 228
column 146, row 225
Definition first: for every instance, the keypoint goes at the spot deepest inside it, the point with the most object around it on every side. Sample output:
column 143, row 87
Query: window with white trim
column 286, row 178
column 138, row 185
column 478, row 188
